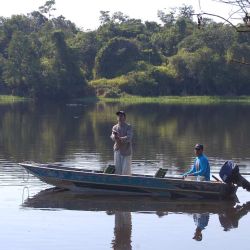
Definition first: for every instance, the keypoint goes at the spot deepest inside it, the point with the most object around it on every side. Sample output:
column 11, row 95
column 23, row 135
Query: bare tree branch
column 243, row 4
column 237, row 28
column 243, row 9
column 240, row 62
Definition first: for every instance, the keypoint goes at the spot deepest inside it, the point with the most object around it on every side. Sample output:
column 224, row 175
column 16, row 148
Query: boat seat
column 161, row 172
column 110, row 169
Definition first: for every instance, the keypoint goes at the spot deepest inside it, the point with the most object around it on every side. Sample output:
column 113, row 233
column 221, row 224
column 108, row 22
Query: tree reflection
column 166, row 133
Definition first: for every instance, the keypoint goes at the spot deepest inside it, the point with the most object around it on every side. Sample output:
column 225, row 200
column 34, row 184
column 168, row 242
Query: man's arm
column 114, row 135
column 128, row 137
column 190, row 172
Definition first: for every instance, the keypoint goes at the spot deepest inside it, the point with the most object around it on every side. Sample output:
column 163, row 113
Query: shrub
column 140, row 83
column 112, row 93
column 117, row 57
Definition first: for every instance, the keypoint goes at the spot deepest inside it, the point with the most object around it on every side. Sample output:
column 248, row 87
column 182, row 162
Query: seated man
column 201, row 221
column 201, row 169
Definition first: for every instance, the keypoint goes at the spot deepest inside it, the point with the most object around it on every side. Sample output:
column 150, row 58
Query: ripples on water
column 33, row 212
column 35, row 217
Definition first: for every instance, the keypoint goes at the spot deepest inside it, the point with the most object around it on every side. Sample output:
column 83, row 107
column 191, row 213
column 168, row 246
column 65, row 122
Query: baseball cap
column 121, row 112
column 198, row 146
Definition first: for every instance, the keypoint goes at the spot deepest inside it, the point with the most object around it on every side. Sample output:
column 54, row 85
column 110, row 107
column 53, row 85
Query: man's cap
column 198, row 146
column 121, row 112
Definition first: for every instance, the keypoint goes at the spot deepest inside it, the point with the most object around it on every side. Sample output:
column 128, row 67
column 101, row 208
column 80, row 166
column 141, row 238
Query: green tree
column 22, row 69
column 62, row 72
column 116, row 57
column 218, row 37
column 86, row 45
column 48, row 7
column 167, row 19
column 186, row 11
column 104, row 17
column 196, row 71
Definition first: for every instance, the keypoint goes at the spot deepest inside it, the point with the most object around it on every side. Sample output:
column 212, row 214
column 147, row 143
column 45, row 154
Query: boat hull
column 97, row 182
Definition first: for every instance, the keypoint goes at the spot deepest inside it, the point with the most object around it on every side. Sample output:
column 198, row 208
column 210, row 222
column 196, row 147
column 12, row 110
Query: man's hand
column 116, row 134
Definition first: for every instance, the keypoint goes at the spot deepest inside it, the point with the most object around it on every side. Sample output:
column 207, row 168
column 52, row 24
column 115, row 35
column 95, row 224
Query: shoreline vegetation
column 9, row 99
column 47, row 57
column 129, row 99
column 182, row 100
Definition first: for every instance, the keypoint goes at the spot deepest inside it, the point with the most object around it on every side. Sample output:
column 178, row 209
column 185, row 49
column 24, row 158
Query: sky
column 85, row 14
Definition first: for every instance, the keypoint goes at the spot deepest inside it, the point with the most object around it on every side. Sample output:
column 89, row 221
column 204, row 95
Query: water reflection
column 122, row 231
column 201, row 221
column 164, row 134
column 229, row 213
column 235, row 214
column 78, row 135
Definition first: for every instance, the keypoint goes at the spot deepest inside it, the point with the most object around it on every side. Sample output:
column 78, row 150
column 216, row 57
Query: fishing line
column 26, row 194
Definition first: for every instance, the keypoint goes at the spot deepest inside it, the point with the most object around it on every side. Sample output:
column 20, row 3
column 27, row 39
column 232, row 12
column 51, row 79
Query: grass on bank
column 195, row 100
column 8, row 99
column 129, row 99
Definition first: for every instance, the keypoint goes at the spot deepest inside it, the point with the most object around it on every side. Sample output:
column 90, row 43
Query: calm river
column 33, row 217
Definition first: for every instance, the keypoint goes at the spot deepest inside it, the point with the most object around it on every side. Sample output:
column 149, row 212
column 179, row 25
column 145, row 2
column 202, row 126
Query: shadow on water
column 229, row 213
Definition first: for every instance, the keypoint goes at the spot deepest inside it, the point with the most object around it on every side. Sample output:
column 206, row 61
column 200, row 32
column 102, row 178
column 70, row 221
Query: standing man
column 122, row 136
column 201, row 169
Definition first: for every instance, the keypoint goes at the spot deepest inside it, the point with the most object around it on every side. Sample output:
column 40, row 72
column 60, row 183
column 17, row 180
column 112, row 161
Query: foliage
column 112, row 93
column 44, row 56
column 116, row 58
column 154, row 82
column 21, row 70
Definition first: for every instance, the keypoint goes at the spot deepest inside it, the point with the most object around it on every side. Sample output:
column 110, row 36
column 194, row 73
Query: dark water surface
column 34, row 216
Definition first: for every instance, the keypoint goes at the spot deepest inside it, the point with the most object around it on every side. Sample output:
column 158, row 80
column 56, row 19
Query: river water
column 34, row 216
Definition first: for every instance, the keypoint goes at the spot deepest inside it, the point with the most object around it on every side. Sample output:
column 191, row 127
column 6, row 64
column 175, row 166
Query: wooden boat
column 104, row 183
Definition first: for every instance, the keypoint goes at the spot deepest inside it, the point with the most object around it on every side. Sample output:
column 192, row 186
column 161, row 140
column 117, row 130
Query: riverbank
column 8, row 99
column 129, row 99
column 187, row 100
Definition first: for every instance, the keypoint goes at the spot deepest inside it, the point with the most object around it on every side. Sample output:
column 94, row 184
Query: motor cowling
column 230, row 173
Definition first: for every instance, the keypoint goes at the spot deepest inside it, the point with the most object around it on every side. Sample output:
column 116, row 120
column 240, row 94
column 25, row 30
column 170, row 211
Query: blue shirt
column 201, row 167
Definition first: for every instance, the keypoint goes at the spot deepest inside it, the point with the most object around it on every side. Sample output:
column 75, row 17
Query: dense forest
column 43, row 56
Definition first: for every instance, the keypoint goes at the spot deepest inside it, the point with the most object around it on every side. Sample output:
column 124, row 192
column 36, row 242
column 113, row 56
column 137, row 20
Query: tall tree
column 48, row 8
column 69, row 80
column 116, row 57
column 22, row 70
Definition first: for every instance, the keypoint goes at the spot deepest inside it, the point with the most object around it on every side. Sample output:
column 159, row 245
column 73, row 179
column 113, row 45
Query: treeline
column 42, row 56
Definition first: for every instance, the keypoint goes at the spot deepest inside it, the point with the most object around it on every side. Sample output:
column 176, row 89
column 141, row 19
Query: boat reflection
column 55, row 198
column 229, row 212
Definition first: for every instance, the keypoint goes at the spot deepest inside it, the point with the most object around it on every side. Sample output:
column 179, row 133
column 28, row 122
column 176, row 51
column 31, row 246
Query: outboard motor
column 230, row 173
